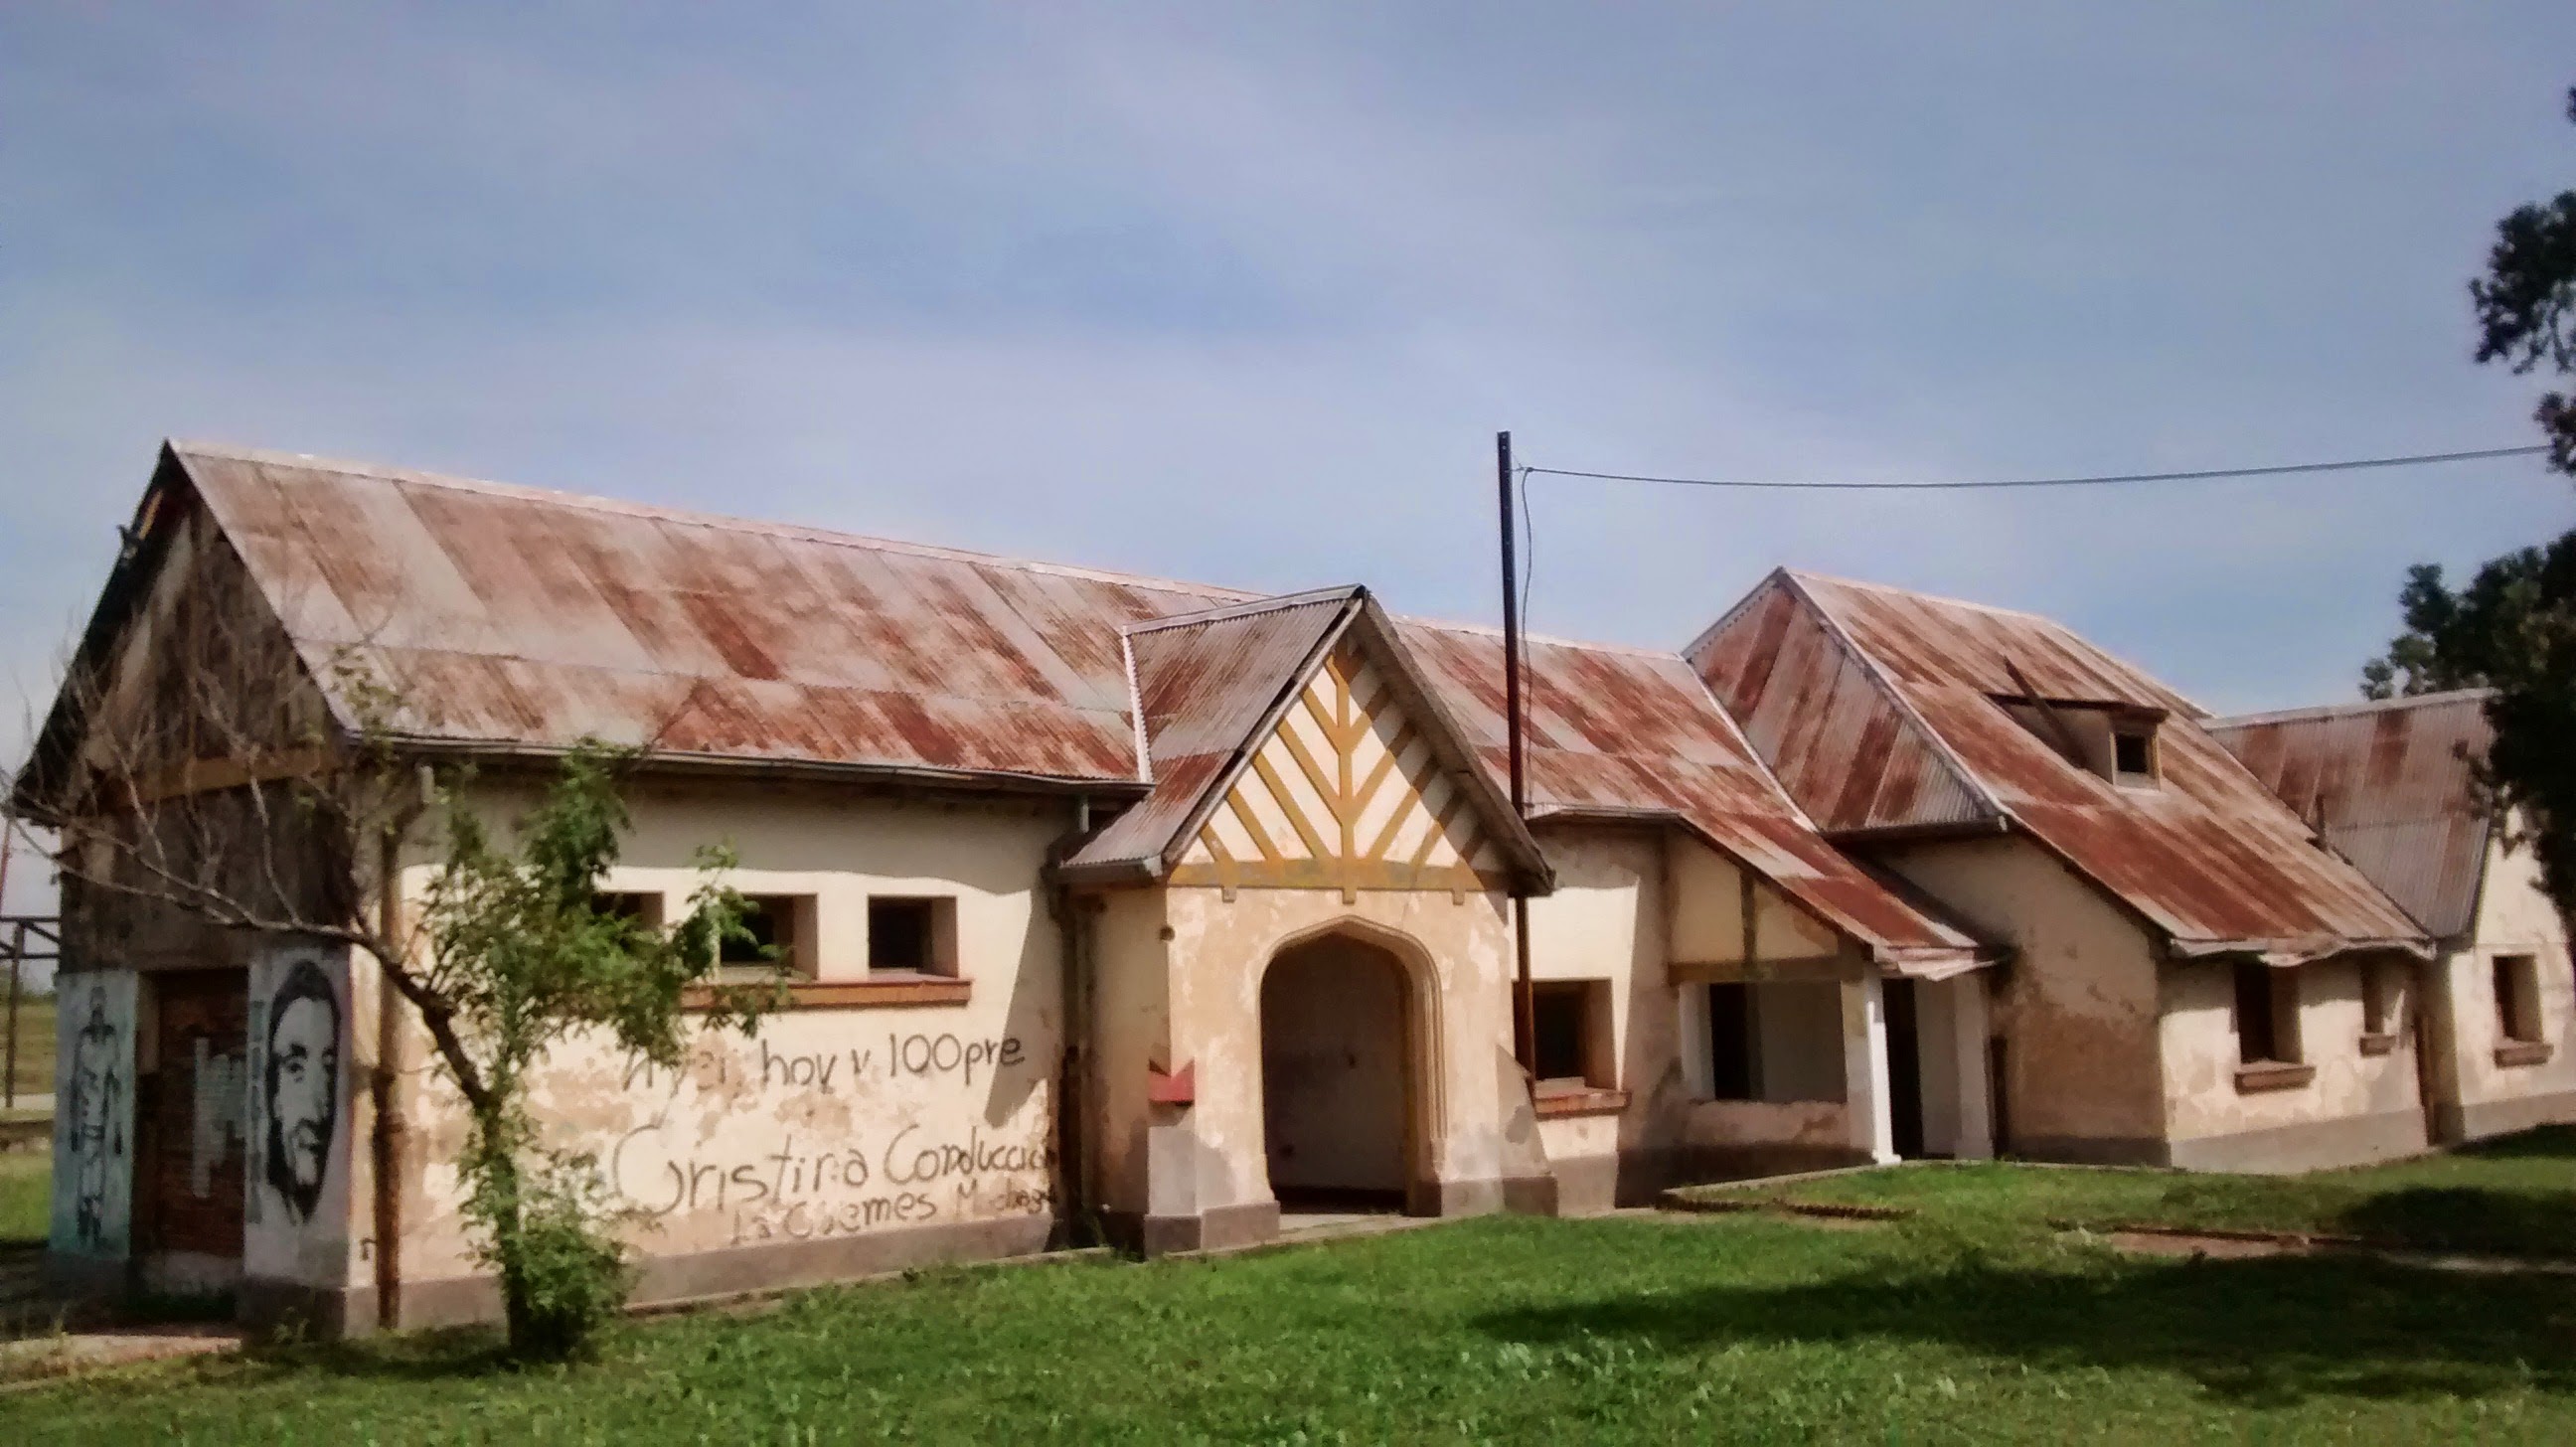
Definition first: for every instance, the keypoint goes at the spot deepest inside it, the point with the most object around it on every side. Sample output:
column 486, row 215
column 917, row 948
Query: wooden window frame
column 1748, row 1049
column 794, row 933
column 651, row 906
column 2279, row 990
column 1595, row 1090
column 2516, row 978
column 2380, row 1008
column 939, row 938
column 2147, row 737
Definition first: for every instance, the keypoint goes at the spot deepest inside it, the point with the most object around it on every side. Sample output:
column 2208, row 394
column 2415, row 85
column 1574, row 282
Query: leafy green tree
column 521, row 953
column 2513, row 627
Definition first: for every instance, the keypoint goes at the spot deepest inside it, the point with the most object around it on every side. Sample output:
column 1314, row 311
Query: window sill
column 2522, row 1052
column 2380, row 1043
column 888, row 989
column 2263, row 1075
column 1558, row 1102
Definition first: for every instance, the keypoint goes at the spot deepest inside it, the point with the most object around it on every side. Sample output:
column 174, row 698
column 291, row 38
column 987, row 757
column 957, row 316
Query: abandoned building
column 2190, row 969
column 2392, row 786
column 1161, row 909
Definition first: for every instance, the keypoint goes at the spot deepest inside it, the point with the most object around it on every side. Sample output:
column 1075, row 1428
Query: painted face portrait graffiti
column 301, row 1089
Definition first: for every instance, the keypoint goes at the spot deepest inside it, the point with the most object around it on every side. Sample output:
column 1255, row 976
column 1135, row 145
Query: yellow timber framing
column 1337, row 857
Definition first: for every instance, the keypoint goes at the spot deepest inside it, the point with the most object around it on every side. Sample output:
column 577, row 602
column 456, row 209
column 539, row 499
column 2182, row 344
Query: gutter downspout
column 384, row 1087
column 1073, row 1072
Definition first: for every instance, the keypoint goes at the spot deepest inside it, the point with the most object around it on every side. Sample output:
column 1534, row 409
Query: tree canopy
column 2512, row 628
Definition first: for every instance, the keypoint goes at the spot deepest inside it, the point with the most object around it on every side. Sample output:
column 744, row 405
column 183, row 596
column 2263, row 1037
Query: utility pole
column 1524, row 1034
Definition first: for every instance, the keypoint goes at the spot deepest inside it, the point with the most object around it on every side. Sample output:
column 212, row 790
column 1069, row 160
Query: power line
column 2356, row 464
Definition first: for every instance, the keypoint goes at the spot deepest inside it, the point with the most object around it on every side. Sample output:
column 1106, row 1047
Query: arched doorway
column 1339, row 1078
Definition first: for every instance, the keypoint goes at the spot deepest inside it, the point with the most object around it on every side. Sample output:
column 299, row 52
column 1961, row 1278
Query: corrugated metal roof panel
column 1627, row 731
column 2392, row 785
column 2209, row 856
column 1838, row 735
column 512, row 617
column 1203, row 687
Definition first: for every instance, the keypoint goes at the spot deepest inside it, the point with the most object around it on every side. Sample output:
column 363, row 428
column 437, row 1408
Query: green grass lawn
column 25, row 1181
column 1948, row 1328
column 2513, row 1196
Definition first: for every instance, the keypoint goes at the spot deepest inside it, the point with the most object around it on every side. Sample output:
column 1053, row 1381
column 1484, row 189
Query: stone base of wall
column 87, row 1278
column 2308, row 1146
column 2503, row 1117
column 2091, row 1150
column 662, row 1280
column 1591, row 1185
column 1523, row 1196
column 1220, row 1229
column 314, row 1311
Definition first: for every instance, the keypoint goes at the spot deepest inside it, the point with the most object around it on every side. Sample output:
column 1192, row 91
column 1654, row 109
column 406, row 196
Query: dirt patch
column 1819, row 1211
column 2251, row 1245
column 43, row 1358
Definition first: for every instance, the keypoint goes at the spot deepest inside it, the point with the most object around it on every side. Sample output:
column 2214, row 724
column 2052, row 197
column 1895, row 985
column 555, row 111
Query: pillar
column 1975, row 1140
column 1865, row 1068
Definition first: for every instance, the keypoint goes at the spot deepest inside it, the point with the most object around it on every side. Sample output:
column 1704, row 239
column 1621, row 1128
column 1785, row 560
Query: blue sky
column 1242, row 293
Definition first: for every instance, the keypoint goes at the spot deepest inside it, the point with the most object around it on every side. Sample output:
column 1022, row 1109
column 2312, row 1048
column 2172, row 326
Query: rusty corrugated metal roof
column 509, row 617
column 2392, row 785
column 1204, row 683
column 515, row 619
column 1879, row 709
column 1626, row 731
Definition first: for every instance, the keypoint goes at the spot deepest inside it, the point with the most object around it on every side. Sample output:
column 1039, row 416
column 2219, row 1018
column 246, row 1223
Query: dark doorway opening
column 191, row 1162
column 1904, row 1070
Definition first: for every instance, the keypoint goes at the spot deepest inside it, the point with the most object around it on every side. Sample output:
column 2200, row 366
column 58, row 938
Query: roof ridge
column 691, row 517
column 2306, row 712
column 1808, row 575
column 1201, row 617
column 1446, row 625
column 2147, row 681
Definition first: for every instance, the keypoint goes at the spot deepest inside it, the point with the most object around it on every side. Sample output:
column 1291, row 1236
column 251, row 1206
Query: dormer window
column 2133, row 754
column 2111, row 741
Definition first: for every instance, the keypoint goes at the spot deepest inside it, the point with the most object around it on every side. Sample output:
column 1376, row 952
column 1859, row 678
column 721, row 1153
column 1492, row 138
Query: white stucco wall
column 2514, row 917
column 832, row 1120
column 2078, row 1005
column 2202, row 1055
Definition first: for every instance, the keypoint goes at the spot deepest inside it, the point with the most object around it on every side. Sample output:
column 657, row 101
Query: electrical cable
column 2206, row 474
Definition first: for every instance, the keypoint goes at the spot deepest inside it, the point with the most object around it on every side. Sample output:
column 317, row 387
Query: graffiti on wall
column 853, row 1150
column 298, row 1105
column 93, row 1185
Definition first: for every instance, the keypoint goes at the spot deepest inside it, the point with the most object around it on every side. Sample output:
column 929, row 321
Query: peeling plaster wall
column 2514, row 917
column 1708, row 913
column 2078, row 1005
column 1132, row 960
column 1608, row 921
column 1459, row 961
column 2202, row 1055
column 833, row 1121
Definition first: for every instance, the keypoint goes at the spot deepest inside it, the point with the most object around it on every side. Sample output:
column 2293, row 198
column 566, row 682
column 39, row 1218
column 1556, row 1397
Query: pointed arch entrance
column 1346, row 1076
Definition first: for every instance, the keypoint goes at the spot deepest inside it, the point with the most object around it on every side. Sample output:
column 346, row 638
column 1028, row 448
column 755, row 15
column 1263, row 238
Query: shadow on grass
column 2254, row 1332
column 415, row 1356
column 2548, row 1142
column 2466, row 1218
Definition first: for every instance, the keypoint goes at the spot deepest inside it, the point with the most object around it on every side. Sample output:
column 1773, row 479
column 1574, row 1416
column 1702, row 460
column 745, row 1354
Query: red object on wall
column 1180, row 1087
